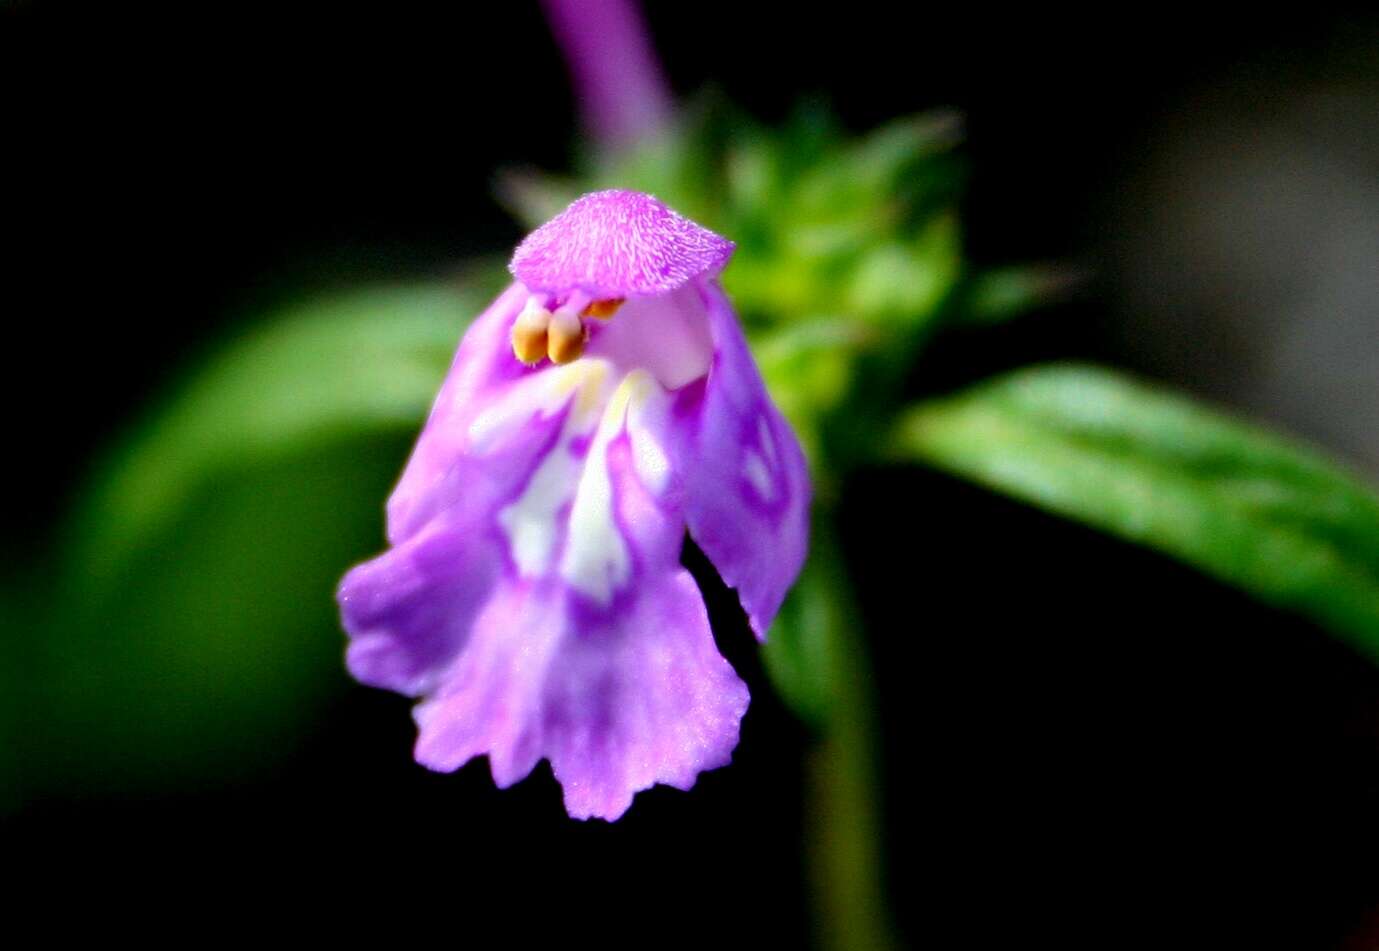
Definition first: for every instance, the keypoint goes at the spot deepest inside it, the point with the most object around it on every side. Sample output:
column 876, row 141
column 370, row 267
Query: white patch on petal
column 759, row 468
column 759, row 475
column 531, row 523
column 540, row 394
column 645, row 417
column 768, row 443
column 596, row 559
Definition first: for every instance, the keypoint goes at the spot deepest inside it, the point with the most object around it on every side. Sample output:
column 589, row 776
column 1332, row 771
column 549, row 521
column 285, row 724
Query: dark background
column 1102, row 750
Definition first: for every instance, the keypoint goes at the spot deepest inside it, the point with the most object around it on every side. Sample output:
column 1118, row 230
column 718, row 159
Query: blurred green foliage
column 1258, row 511
column 189, row 629
column 342, row 367
column 189, row 632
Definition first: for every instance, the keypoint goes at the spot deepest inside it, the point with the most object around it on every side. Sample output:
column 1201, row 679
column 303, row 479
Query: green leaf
column 870, row 172
column 1247, row 506
column 192, row 635
column 904, row 284
column 994, row 297
column 367, row 361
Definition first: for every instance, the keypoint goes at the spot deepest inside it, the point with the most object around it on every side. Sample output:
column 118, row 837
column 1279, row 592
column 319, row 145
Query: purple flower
column 533, row 596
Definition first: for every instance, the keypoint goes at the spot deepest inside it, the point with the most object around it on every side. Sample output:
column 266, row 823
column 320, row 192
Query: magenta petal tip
column 618, row 243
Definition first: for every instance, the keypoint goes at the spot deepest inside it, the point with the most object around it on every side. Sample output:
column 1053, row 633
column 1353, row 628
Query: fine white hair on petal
column 618, row 243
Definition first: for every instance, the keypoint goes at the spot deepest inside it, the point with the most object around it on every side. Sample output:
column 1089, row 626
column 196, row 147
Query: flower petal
column 609, row 669
column 493, row 425
column 615, row 243
column 408, row 611
column 747, row 483
column 617, row 700
column 533, row 594
column 641, row 697
column 492, row 418
column 668, row 336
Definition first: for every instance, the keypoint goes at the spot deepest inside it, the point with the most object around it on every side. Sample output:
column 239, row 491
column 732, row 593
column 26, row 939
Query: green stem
column 842, row 809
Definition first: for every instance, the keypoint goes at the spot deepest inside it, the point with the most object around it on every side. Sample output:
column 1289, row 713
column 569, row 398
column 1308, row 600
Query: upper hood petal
column 617, row 243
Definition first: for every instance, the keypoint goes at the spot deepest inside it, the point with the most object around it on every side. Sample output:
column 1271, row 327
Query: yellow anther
column 603, row 309
column 529, row 333
column 565, row 337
